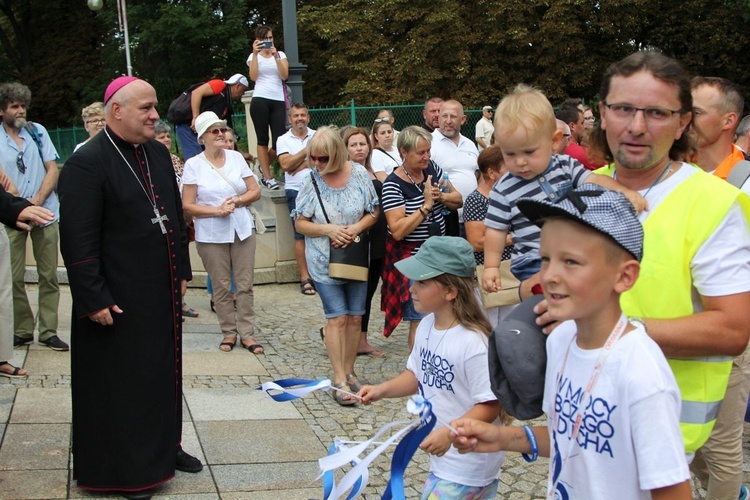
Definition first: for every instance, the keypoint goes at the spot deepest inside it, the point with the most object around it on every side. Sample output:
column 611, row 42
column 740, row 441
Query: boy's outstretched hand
column 476, row 436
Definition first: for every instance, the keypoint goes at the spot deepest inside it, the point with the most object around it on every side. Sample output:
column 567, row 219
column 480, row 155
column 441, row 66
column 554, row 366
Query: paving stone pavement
column 253, row 448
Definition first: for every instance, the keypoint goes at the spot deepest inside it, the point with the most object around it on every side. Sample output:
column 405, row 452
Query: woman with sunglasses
column 217, row 188
column 348, row 200
column 269, row 69
column 385, row 155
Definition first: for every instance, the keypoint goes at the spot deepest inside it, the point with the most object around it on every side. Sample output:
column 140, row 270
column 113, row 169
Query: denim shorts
column 291, row 202
column 408, row 313
column 526, row 268
column 338, row 300
column 436, row 488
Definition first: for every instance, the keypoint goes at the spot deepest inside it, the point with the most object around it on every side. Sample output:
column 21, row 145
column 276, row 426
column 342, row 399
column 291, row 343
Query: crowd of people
column 632, row 224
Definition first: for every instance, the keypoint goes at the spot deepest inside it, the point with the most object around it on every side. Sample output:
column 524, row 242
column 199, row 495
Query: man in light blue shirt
column 29, row 158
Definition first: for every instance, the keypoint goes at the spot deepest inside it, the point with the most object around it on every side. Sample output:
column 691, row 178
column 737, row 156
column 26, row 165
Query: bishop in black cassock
column 125, row 246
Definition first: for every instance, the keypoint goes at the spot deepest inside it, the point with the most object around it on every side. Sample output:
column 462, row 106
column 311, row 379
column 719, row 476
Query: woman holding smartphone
column 269, row 69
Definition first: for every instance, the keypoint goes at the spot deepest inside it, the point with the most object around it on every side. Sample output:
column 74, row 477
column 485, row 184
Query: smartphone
column 267, row 44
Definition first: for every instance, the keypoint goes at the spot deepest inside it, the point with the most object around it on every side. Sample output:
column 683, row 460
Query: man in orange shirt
column 717, row 108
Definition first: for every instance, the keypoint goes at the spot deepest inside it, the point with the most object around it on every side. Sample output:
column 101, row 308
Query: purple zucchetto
column 116, row 85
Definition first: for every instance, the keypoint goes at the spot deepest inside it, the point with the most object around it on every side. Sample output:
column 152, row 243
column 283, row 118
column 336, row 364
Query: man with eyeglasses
column 717, row 107
column 93, row 121
column 484, row 129
column 30, row 160
column 693, row 292
column 564, row 129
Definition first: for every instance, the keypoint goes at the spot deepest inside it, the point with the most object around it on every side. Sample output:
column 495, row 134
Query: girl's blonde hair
column 466, row 307
column 469, row 313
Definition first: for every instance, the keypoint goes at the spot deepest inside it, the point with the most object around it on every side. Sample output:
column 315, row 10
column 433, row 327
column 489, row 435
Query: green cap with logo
column 439, row 255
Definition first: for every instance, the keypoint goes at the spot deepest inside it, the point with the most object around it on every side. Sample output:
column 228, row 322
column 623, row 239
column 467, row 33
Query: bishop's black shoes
column 187, row 463
column 137, row 495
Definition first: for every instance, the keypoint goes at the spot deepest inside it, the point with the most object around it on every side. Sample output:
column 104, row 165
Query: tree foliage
column 375, row 52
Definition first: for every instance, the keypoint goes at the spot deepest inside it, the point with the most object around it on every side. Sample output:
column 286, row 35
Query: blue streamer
column 405, row 451
column 302, row 387
column 329, row 481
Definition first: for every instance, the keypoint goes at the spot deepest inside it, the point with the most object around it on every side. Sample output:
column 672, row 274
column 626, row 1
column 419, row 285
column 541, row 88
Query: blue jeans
column 291, row 203
column 188, row 141
column 346, row 299
column 210, row 286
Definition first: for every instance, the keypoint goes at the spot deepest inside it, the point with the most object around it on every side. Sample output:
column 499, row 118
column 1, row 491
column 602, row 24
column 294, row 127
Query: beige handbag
column 507, row 295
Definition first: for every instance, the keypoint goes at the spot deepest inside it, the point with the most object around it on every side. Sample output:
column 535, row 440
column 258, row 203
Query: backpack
column 180, row 111
column 739, row 173
column 34, row 133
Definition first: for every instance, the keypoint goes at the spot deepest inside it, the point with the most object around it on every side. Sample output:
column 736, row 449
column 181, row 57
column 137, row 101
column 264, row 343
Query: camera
column 267, row 44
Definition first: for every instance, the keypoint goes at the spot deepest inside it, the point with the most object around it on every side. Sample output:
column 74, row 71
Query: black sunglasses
column 20, row 164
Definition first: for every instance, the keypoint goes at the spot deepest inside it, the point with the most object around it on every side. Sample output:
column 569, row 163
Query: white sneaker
column 271, row 183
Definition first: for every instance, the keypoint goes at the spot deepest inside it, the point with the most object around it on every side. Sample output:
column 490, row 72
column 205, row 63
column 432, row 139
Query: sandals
column 229, row 345
column 340, row 397
column 189, row 311
column 253, row 348
column 306, row 287
column 16, row 373
column 375, row 353
column 354, row 382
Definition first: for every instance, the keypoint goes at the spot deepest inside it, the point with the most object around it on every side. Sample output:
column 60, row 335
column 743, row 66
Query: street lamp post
column 289, row 14
column 122, row 18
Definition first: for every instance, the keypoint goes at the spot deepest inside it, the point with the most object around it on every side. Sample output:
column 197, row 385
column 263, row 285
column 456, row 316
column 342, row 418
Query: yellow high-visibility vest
column 673, row 233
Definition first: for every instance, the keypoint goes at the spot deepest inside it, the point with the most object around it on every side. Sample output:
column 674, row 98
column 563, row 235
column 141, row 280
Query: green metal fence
column 65, row 139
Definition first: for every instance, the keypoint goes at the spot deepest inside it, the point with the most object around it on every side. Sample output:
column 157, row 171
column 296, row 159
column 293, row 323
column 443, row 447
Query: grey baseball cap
column 518, row 360
column 608, row 212
column 439, row 255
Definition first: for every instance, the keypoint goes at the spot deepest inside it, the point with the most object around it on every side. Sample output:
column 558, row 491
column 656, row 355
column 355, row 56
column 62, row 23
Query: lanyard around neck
column 604, row 353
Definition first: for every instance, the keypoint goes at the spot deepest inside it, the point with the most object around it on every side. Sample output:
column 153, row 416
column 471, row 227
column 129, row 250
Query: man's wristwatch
column 638, row 322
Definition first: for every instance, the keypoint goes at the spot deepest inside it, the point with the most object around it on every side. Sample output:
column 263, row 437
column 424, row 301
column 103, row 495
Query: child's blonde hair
column 469, row 313
column 525, row 107
column 465, row 306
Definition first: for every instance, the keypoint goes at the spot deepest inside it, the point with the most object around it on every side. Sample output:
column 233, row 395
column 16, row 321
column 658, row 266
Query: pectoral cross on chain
column 159, row 219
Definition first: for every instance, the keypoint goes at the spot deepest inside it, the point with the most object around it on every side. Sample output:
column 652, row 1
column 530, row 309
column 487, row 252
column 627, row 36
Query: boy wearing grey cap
column 611, row 400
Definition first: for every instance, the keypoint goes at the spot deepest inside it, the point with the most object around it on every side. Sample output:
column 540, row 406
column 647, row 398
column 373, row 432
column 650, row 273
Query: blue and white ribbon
column 293, row 388
column 413, row 433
